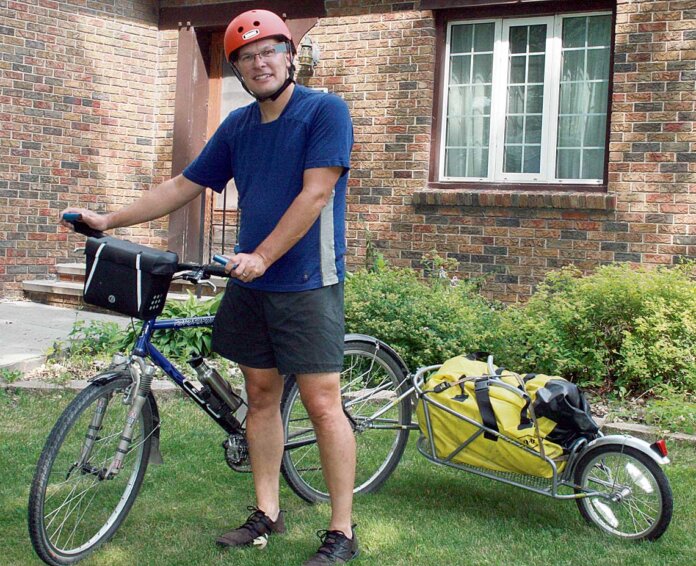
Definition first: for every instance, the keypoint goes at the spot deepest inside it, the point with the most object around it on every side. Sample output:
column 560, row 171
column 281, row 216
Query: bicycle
column 91, row 468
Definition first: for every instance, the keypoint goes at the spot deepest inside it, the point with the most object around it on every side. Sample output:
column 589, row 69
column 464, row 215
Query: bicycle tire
column 641, row 507
column 64, row 525
column 370, row 380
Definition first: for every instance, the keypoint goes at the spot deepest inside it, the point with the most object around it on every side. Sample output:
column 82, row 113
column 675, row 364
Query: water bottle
column 210, row 377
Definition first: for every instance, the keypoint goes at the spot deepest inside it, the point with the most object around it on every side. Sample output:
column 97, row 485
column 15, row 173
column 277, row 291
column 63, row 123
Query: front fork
column 142, row 374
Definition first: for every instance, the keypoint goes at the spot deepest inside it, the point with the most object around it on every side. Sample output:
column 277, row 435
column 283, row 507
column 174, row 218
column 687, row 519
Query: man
column 282, row 313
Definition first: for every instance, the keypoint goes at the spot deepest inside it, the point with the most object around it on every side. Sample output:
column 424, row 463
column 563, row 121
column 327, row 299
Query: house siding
column 98, row 133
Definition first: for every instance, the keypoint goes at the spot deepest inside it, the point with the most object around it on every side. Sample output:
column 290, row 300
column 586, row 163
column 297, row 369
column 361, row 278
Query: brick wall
column 379, row 57
column 82, row 121
column 86, row 118
column 653, row 162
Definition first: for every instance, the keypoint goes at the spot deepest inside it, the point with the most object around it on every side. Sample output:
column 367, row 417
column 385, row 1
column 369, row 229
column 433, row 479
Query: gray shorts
column 297, row 332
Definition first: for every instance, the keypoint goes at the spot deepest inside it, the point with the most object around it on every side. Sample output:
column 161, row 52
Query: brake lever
column 209, row 283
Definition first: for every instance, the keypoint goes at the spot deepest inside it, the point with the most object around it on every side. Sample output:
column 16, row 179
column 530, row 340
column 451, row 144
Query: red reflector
column 661, row 447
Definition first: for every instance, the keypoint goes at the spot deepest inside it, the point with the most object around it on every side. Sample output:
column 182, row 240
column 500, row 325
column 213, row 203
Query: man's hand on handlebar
column 94, row 220
column 245, row 267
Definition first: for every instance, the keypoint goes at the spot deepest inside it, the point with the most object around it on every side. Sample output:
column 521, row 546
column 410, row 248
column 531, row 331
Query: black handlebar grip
column 217, row 270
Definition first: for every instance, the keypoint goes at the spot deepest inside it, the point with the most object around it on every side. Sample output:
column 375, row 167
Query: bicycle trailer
column 502, row 422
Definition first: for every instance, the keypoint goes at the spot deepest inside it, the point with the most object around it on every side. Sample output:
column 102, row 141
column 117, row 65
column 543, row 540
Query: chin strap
column 277, row 93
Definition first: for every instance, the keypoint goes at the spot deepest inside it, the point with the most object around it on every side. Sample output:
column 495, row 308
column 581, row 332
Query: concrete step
column 69, row 293
column 75, row 272
column 71, row 269
column 47, row 286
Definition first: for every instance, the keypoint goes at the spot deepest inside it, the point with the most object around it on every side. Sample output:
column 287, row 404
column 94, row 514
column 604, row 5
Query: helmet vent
column 240, row 29
column 257, row 24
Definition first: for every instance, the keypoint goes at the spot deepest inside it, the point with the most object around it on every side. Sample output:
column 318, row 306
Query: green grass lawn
column 425, row 514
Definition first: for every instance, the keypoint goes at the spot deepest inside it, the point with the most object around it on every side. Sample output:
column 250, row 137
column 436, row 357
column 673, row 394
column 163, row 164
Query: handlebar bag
column 497, row 404
column 127, row 278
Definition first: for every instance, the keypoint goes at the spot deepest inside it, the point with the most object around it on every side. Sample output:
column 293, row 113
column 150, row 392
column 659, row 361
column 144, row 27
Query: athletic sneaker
column 255, row 531
column 335, row 548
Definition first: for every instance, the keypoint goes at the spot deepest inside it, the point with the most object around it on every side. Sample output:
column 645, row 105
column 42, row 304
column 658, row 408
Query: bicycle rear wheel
column 73, row 508
column 371, row 381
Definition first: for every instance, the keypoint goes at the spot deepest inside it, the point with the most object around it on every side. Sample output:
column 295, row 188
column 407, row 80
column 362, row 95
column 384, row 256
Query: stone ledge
column 159, row 387
column 74, row 289
column 70, row 288
column 71, row 268
column 647, row 433
column 515, row 199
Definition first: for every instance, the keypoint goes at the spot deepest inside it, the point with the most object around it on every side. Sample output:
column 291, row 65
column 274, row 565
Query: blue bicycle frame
column 145, row 349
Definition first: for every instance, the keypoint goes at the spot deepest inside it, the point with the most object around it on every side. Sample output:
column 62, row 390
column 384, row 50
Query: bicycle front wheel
column 634, row 498
column 73, row 506
column 371, row 382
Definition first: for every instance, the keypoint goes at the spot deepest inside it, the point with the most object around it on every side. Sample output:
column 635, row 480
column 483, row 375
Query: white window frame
column 552, row 76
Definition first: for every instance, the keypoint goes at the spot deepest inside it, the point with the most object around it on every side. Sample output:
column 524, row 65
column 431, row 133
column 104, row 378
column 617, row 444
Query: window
column 525, row 100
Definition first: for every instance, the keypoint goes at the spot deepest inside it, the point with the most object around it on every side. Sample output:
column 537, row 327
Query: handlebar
column 222, row 260
column 204, row 270
column 196, row 272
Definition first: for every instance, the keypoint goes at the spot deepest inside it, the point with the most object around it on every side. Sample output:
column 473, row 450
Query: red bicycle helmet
column 252, row 26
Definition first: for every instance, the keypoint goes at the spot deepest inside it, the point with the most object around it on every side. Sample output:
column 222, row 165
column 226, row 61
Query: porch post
column 190, row 120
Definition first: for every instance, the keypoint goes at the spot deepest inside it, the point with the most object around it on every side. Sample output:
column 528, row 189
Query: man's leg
column 264, row 432
column 321, row 396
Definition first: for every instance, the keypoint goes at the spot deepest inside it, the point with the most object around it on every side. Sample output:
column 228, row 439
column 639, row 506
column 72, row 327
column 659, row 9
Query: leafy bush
column 89, row 339
column 665, row 407
column 103, row 339
column 676, row 414
column 10, row 375
column 621, row 327
column 426, row 322
column 182, row 343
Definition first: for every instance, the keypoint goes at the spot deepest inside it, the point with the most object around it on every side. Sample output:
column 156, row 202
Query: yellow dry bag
column 537, row 417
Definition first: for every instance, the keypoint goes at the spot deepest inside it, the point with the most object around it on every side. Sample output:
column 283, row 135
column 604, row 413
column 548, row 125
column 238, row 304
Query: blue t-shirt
column 267, row 162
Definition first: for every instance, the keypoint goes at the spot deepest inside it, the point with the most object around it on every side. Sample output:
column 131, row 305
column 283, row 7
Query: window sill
column 573, row 200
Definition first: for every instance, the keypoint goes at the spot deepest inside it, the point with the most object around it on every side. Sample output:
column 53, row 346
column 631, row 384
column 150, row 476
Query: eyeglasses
column 267, row 53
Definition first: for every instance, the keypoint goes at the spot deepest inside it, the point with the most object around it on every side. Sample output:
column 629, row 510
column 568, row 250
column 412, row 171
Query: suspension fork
column 92, row 432
column 142, row 374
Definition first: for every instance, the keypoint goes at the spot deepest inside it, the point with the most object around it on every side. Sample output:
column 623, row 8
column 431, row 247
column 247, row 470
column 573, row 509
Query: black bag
column 562, row 402
column 128, row 278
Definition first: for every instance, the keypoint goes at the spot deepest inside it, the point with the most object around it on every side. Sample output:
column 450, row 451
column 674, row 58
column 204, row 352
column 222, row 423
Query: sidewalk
column 28, row 330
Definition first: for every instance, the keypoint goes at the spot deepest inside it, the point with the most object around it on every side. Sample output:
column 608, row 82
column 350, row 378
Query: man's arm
column 318, row 185
column 158, row 202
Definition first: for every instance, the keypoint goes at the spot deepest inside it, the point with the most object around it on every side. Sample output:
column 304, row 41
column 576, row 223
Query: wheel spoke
column 635, row 500
column 369, row 387
column 73, row 507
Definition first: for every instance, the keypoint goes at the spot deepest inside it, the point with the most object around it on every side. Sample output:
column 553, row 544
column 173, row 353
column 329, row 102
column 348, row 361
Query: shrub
column 620, row 327
column 426, row 322
column 181, row 344
column 88, row 340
